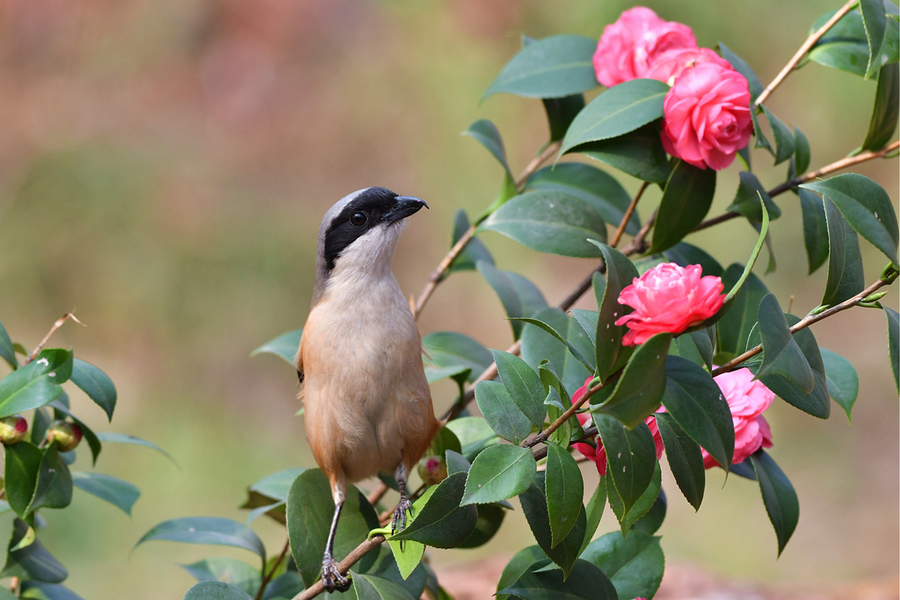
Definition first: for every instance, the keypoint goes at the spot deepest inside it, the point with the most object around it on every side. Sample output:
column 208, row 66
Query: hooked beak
column 404, row 206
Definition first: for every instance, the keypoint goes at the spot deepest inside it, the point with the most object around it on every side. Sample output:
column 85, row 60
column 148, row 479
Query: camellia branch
column 354, row 557
column 267, row 577
column 59, row 323
column 621, row 229
column 807, row 45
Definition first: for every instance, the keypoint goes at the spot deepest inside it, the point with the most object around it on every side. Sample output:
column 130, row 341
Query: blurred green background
column 163, row 170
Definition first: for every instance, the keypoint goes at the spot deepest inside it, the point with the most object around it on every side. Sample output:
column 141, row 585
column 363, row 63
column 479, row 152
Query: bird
column 367, row 403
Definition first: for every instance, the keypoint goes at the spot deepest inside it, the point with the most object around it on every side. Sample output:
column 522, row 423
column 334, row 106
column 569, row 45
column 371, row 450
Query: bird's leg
column 331, row 576
column 404, row 505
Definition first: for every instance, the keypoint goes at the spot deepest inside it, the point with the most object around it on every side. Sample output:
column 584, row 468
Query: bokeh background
column 164, row 166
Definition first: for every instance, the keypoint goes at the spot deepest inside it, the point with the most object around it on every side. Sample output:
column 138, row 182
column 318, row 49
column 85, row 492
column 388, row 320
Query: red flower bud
column 432, row 469
column 12, row 429
column 66, row 434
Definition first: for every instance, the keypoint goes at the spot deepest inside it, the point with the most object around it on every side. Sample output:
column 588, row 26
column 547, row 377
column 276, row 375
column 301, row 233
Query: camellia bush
column 680, row 359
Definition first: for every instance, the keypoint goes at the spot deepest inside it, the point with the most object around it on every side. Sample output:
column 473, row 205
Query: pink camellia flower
column 629, row 46
column 747, row 398
column 598, row 454
column 668, row 299
column 707, row 116
column 671, row 63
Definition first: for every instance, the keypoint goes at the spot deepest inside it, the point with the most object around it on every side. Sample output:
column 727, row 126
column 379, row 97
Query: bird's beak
column 404, row 206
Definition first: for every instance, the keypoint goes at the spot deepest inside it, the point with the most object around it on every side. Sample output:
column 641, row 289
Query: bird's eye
column 358, row 219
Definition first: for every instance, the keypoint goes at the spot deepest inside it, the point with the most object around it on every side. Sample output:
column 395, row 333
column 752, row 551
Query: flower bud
column 432, row 469
column 12, row 429
column 66, row 434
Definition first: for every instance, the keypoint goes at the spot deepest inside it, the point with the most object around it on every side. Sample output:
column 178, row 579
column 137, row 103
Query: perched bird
column 367, row 403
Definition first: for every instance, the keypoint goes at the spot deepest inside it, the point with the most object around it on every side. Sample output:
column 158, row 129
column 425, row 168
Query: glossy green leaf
column 215, row 590
column 630, row 455
column 522, row 562
column 617, row 111
column 653, row 519
column 746, row 201
column 815, row 229
column 844, row 46
column 26, row 388
column 538, row 345
column 501, row 413
column 386, row 567
column 639, row 153
column 640, row 389
column 450, row 349
column 487, row 134
column 523, row 385
column 287, row 585
column 441, row 522
column 371, row 587
column 629, row 517
column 685, row 254
column 474, row 251
column 883, row 123
column 761, row 140
column 285, row 347
column 801, row 152
column 610, row 354
column 549, row 221
column 594, row 512
column 57, row 364
column 841, row 378
column 490, row 518
column 23, row 461
column 207, row 530
column 498, row 473
column 778, row 495
column 867, row 208
column 534, row 505
column 634, row 564
column 873, row 16
column 845, row 267
column 277, row 485
column 583, row 582
column 696, row 403
column 121, row 438
column 781, row 353
column 53, row 488
column 7, row 352
column 520, row 297
column 456, row 462
column 685, row 459
column 96, row 384
column 474, row 435
column 310, row 508
column 893, row 322
column 227, row 570
column 554, row 67
column 47, row 591
column 685, row 202
column 113, row 490
column 32, row 561
column 733, row 329
column 407, row 554
column 561, row 112
column 584, row 358
column 564, row 491
column 741, row 66
column 588, row 320
column 784, row 137
column 592, row 185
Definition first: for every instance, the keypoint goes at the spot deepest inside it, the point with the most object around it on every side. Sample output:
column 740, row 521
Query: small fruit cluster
column 66, row 434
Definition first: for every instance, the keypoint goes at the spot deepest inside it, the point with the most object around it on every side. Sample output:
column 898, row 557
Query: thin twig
column 621, row 229
column 807, row 45
column 267, row 577
column 344, row 566
column 59, row 323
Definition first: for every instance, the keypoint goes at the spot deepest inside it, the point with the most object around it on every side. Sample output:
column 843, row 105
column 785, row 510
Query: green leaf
column 778, row 495
column 564, row 490
column 474, row 251
column 685, row 254
column 538, row 345
column 685, row 459
column 7, row 352
column 741, row 66
column 207, row 530
column 733, row 329
column 592, row 185
column 640, row 389
column 53, row 488
column 685, row 202
column 561, row 112
column 549, row 221
column 801, row 152
column 215, row 590
column 617, row 111
column 441, row 522
column 490, row 518
column 845, row 268
column 32, row 561
column 407, row 555
column 277, row 486
column 47, row 591
column 26, row 388
column 628, row 518
column 630, row 455
column 746, row 201
column 781, row 353
column 784, row 137
column 310, row 509
column 450, row 349
column 815, row 229
column 593, row 512
column 520, row 297
column 587, row 319
column 371, row 587
column 23, row 460
column 226, row 570
column 96, row 384
column 386, row 567
column 285, row 347
column 547, row 327
column 866, row 207
column 501, row 413
column 883, row 123
column 498, row 473
column 487, row 134
column 122, row 438
column 113, row 490
column 522, row 562
column 57, row 364
column 634, row 564
column 287, row 585
column 523, row 384
column 554, row 67
column 583, row 582
column 639, row 153
column 60, row 409
column 696, row 403
column 474, row 435
column 873, row 16
column 761, row 140
column 842, row 380
column 893, row 322
column 844, row 46
column 534, row 505
column 620, row 272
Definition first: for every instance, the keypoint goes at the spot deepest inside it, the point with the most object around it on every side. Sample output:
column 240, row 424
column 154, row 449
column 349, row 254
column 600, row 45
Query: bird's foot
column 403, row 507
column 331, row 576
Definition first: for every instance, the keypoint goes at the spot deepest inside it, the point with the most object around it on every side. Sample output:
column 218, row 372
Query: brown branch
column 807, row 45
column 59, row 323
column 267, row 577
column 621, row 229
column 344, row 566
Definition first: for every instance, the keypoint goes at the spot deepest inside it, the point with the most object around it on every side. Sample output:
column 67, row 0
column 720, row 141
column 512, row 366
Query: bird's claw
column 331, row 576
column 403, row 507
